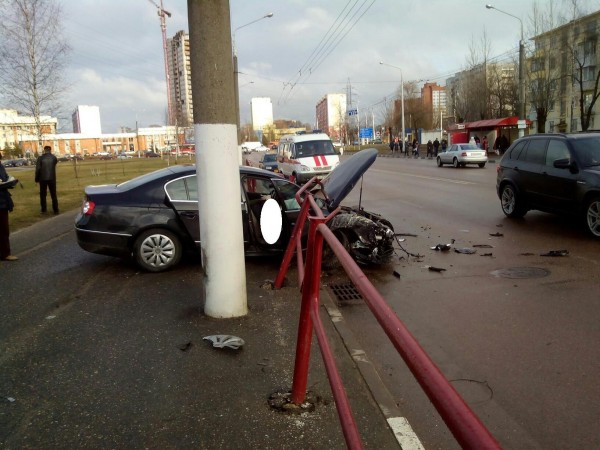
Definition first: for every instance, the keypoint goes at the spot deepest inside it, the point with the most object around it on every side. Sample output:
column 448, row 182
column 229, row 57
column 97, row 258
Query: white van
column 302, row 156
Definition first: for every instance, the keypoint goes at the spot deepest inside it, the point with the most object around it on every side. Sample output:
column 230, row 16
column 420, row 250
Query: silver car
column 459, row 155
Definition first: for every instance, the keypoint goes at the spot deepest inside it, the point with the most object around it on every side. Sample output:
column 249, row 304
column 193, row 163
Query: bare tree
column 33, row 57
column 586, row 75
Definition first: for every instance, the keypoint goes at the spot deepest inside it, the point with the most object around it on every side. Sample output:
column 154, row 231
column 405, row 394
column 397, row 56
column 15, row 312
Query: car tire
column 439, row 162
column 157, row 250
column 592, row 216
column 329, row 260
column 481, row 165
column 511, row 202
column 455, row 163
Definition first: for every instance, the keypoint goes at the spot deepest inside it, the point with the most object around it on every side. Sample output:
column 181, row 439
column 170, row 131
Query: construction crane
column 163, row 14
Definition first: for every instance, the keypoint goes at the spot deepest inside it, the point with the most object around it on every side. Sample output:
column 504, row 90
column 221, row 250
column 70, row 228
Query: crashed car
column 154, row 218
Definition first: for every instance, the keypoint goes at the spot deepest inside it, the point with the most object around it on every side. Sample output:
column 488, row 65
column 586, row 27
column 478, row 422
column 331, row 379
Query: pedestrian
column 396, row 145
column 504, row 144
column 477, row 141
column 485, row 144
column 429, row 149
column 6, row 206
column 45, row 175
column 415, row 148
column 444, row 145
column 436, row 147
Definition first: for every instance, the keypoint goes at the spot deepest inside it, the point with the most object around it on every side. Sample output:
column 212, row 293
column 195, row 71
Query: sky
column 307, row 49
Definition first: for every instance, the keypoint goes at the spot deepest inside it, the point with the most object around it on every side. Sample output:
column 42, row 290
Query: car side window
column 535, row 152
column 517, row 149
column 183, row 189
column 287, row 193
column 556, row 150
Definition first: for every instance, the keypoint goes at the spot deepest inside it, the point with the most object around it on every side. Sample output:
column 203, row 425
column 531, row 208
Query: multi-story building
column 261, row 111
column 434, row 99
column 563, row 76
column 86, row 120
column 14, row 127
column 180, row 79
column 331, row 115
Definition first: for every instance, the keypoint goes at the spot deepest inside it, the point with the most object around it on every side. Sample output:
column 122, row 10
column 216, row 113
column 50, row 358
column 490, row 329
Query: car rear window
column 535, row 152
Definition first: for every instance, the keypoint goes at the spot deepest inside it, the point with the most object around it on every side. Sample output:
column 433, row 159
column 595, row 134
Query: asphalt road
column 524, row 351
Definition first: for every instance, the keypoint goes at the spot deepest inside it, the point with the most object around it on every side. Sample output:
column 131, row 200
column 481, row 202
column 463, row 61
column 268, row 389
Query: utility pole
column 215, row 127
column 163, row 14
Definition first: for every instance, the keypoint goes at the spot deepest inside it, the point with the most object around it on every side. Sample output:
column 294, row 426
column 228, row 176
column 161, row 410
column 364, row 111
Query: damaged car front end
column 366, row 236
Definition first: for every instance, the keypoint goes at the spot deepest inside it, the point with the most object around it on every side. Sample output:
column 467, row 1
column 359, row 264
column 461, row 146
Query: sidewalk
column 155, row 383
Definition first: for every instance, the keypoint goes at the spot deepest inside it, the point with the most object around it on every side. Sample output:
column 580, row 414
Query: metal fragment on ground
column 496, row 234
column 435, row 269
column 225, row 340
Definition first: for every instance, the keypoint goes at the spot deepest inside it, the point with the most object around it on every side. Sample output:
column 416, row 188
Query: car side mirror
column 565, row 163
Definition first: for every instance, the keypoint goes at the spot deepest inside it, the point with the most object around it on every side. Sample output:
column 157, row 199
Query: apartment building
column 331, row 115
column 86, row 119
column 563, row 76
column 14, row 127
column 180, row 79
column 434, row 100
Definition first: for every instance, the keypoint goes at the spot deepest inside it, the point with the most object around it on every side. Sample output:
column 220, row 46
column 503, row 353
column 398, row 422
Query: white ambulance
column 302, row 156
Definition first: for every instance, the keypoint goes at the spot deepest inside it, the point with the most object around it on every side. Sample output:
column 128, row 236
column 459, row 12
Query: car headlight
column 304, row 169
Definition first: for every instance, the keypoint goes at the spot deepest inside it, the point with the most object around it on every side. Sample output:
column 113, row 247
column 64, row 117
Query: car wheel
column 329, row 260
column 592, row 216
column 482, row 165
column 439, row 162
column 157, row 250
column 511, row 204
column 455, row 163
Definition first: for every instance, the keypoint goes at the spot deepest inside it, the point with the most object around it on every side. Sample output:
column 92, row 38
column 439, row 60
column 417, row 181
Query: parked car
column 555, row 173
column 124, row 156
column 459, row 155
column 151, row 154
column 269, row 162
column 154, row 218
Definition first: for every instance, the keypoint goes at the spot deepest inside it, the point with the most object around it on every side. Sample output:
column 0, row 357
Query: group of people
column 45, row 176
column 413, row 147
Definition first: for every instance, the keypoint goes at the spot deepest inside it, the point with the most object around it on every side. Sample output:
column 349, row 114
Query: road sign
column 366, row 133
column 352, row 112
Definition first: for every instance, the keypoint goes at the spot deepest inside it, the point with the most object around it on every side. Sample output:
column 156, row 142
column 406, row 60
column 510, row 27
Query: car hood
column 339, row 183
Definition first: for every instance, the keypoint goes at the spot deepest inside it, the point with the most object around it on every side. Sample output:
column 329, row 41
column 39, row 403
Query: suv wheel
column 592, row 216
column 510, row 201
column 157, row 250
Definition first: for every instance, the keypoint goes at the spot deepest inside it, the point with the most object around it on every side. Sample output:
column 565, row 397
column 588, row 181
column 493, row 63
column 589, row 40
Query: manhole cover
column 345, row 293
column 521, row 272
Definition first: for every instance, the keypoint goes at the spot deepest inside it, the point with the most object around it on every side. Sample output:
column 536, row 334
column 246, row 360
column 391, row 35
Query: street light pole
column 521, row 68
column 401, row 100
column 235, row 72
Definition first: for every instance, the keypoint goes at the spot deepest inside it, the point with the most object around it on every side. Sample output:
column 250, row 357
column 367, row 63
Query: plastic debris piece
column 185, row 347
column 268, row 285
column 487, row 254
column 396, row 274
column 225, row 340
column 442, row 247
column 50, row 317
column 496, row 234
column 435, row 269
column 556, row 253
column 483, row 246
column 466, row 251
column 10, row 399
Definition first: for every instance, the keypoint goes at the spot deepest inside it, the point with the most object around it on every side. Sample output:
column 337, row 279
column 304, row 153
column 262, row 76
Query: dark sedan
column 269, row 162
column 154, row 217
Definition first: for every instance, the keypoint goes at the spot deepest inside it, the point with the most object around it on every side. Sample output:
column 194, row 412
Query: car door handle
column 189, row 215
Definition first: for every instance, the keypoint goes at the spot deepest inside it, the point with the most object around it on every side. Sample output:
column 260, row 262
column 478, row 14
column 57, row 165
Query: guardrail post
column 310, row 293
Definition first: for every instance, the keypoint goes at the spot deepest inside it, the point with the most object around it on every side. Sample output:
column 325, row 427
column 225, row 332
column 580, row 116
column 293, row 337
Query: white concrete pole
column 215, row 127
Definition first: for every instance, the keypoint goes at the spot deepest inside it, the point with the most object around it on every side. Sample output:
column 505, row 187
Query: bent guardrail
column 466, row 427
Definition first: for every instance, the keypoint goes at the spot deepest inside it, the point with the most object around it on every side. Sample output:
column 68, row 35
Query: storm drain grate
column 345, row 292
column 521, row 272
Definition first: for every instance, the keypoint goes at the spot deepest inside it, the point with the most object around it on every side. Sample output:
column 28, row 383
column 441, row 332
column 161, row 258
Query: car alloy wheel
column 592, row 216
column 157, row 250
column 439, row 162
column 455, row 163
column 511, row 205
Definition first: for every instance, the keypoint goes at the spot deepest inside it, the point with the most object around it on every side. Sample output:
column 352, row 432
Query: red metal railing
column 466, row 427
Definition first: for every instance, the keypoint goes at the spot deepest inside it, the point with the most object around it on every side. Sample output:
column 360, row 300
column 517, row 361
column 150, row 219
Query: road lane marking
column 404, row 434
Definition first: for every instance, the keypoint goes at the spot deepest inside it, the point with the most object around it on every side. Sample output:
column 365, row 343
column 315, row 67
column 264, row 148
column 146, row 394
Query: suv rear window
column 587, row 150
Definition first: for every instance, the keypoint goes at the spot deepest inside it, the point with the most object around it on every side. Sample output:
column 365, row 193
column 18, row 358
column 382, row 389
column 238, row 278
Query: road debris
column 396, row 274
column 225, row 340
column 556, row 253
column 466, row 251
column 435, row 269
column 498, row 234
column 483, row 246
column 487, row 254
column 185, row 347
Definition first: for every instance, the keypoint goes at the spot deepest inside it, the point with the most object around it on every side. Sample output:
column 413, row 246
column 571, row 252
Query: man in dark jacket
column 45, row 175
column 6, row 206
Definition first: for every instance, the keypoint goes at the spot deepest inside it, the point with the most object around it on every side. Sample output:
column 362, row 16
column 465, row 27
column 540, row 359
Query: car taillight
column 464, row 154
column 88, row 207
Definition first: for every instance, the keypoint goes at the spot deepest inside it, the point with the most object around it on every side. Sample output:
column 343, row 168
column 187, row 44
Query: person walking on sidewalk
column 6, row 206
column 45, row 175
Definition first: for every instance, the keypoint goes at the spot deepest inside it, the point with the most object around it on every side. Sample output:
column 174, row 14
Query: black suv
column 555, row 173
